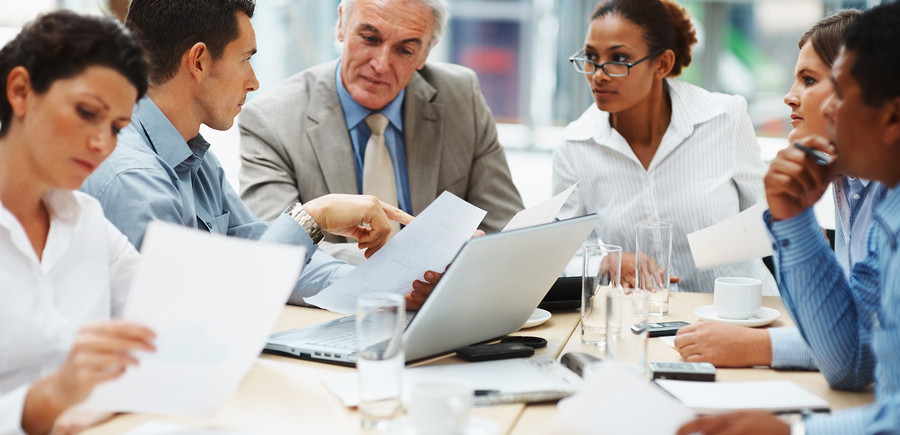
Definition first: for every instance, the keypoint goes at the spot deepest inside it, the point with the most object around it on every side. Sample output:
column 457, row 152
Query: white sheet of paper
column 212, row 302
column 429, row 242
column 615, row 400
column 718, row 397
column 541, row 213
column 739, row 238
column 518, row 375
column 161, row 428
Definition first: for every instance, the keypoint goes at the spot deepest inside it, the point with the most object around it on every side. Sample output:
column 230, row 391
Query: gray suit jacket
column 295, row 145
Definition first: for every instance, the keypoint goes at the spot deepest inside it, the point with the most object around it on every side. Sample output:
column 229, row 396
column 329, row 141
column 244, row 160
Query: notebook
column 489, row 290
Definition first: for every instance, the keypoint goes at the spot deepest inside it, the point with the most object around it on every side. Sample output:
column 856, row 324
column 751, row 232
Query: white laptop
column 490, row 289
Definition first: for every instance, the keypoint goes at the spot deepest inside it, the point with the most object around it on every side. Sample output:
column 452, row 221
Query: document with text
column 429, row 242
column 212, row 302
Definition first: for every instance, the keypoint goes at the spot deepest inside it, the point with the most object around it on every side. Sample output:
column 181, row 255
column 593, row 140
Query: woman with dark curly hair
column 654, row 148
column 70, row 83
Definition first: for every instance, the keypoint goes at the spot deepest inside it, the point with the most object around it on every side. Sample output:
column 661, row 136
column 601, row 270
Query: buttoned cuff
column 789, row 350
column 795, row 240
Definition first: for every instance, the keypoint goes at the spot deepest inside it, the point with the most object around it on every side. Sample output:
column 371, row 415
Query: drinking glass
column 380, row 321
column 626, row 323
column 652, row 257
column 600, row 273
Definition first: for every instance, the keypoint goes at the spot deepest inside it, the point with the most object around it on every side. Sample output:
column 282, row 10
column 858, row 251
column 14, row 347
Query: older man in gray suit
column 313, row 134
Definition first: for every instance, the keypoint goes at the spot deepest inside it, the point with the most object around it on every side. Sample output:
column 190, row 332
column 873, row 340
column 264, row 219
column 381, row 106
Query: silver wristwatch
column 296, row 212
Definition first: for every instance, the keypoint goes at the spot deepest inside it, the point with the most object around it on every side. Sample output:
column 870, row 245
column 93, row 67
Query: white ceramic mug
column 439, row 407
column 737, row 298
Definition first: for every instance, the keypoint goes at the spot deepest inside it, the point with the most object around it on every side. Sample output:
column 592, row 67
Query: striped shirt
column 848, row 325
column 707, row 168
column 855, row 201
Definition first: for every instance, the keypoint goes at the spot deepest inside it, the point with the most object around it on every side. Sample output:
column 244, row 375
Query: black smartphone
column 660, row 329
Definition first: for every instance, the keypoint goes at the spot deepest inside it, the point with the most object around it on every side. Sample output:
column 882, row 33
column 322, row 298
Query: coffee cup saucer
column 764, row 316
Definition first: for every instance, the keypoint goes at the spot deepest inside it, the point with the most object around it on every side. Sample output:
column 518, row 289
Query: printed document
column 429, row 242
column 212, row 302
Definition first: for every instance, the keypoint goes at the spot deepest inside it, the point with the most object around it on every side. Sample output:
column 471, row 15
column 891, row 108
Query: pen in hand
column 821, row 157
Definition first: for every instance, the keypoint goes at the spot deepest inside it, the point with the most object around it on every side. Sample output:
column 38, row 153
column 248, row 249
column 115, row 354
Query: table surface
column 281, row 394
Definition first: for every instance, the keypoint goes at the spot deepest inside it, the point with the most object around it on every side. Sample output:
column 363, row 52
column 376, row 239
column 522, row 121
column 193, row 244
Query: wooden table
column 681, row 306
column 285, row 395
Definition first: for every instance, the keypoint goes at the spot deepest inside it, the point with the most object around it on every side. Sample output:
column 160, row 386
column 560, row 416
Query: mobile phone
column 685, row 371
column 660, row 329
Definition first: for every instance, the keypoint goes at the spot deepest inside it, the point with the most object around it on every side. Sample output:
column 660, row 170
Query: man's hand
column 422, row 289
column 628, row 270
column 795, row 181
column 724, row 345
column 737, row 423
column 363, row 217
column 101, row 352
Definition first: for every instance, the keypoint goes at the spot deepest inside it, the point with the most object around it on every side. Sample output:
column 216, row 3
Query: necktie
column 378, row 169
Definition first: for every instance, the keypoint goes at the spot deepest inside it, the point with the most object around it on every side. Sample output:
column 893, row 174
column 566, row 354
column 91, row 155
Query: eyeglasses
column 612, row 69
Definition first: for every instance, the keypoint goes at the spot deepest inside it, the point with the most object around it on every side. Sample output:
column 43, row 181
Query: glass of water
column 600, row 273
column 380, row 321
column 652, row 257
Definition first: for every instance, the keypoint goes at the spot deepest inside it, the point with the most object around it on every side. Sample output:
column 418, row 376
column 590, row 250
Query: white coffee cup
column 737, row 298
column 439, row 407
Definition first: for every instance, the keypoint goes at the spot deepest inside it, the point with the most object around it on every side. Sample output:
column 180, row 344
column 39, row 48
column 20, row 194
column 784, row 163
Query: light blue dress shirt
column 853, row 328
column 355, row 116
column 155, row 175
column 855, row 201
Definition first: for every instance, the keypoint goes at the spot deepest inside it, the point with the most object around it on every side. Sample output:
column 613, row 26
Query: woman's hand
column 101, row 352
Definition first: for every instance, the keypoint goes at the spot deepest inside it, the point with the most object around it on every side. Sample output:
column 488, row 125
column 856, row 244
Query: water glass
column 653, row 256
column 380, row 321
column 626, row 323
column 602, row 267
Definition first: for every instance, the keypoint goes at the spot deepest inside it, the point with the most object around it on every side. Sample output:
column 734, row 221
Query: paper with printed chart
column 429, row 242
column 739, row 238
column 212, row 301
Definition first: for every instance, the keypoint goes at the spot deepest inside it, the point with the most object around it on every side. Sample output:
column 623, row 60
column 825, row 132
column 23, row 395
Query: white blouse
column 706, row 169
column 84, row 276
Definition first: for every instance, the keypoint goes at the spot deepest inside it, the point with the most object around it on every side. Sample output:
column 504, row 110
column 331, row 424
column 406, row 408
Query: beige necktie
column 378, row 169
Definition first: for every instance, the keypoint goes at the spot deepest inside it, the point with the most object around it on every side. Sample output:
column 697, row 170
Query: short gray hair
column 439, row 8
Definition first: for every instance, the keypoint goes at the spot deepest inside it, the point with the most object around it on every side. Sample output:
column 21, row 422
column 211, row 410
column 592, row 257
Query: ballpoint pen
column 495, row 397
column 821, row 157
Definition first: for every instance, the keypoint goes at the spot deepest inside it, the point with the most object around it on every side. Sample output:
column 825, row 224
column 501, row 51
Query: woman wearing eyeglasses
column 654, row 148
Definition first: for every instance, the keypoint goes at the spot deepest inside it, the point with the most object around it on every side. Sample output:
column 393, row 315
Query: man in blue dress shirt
column 852, row 327
column 200, row 73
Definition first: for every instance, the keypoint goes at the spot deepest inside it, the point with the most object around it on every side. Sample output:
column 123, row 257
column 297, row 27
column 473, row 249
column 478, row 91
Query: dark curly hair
column 665, row 25
column 874, row 38
column 826, row 35
column 168, row 28
column 62, row 44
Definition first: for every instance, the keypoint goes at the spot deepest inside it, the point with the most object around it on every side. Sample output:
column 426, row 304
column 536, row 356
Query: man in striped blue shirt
column 852, row 328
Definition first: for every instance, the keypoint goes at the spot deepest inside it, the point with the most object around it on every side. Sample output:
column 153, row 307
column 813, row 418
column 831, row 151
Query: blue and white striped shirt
column 855, row 200
column 849, row 325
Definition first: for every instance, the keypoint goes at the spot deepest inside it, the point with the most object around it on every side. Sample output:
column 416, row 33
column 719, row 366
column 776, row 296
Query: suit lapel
column 421, row 120
column 329, row 137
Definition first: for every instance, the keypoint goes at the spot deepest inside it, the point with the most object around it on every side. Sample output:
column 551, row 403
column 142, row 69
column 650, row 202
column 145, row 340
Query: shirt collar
column 691, row 106
column 354, row 113
column 163, row 137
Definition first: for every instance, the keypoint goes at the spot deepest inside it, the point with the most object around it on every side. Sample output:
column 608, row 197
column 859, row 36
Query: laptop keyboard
column 345, row 340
